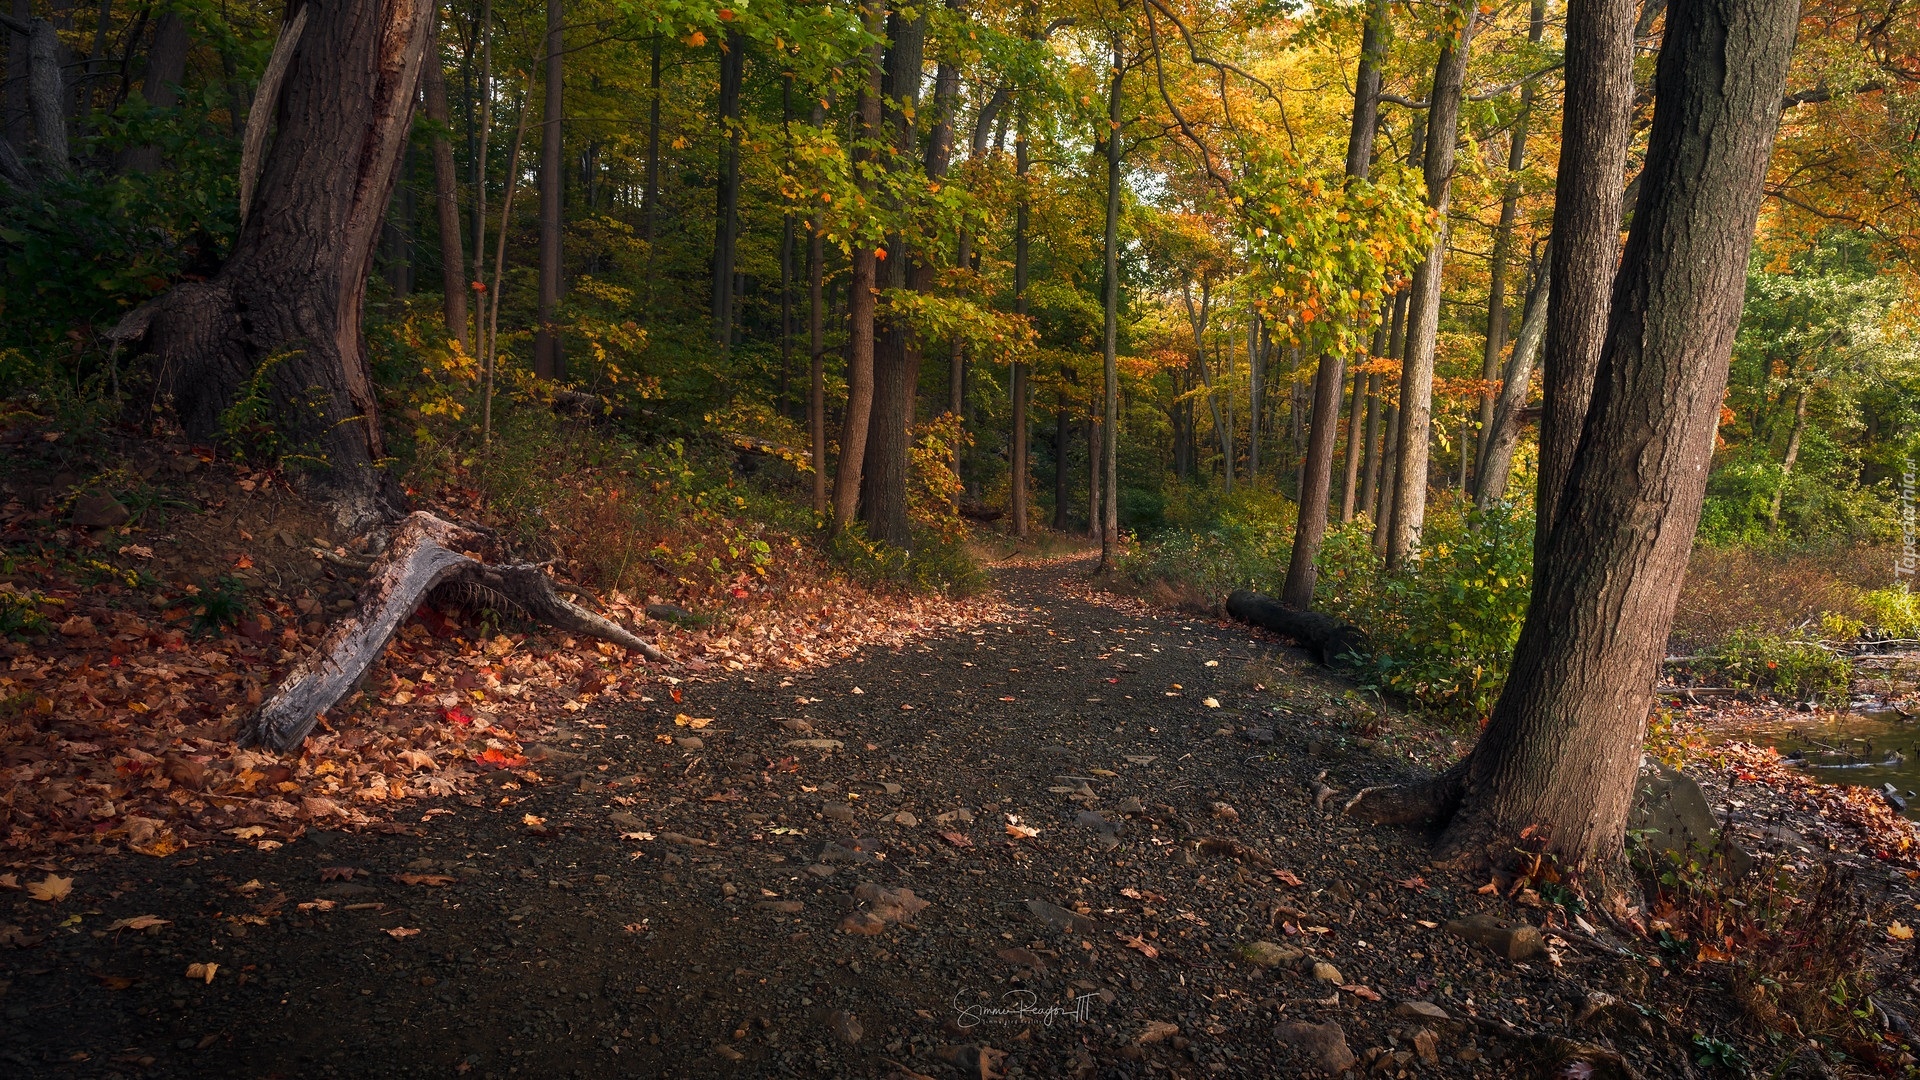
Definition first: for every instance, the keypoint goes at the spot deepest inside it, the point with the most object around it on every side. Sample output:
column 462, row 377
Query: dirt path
column 656, row 909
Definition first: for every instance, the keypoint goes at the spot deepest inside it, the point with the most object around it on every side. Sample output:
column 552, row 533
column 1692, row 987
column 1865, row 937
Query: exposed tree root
column 424, row 553
column 1323, row 635
column 1427, row 802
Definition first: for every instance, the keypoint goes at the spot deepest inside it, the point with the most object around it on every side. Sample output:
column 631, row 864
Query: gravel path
column 734, row 904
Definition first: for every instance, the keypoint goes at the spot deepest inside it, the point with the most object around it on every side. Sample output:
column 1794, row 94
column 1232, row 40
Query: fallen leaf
column 1900, row 932
column 957, row 839
column 1021, row 832
column 1157, row 1030
column 139, row 922
column 697, row 723
column 1131, row 893
column 1140, row 943
column 317, row 905
column 636, row 836
column 1211, row 703
column 114, row 982
column 402, row 931
column 9, row 881
column 203, row 972
column 1415, row 882
column 340, row 873
column 1288, row 877
column 424, row 879
column 1361, row 992
column 51, row 889
column 249, row 832
column 457, row 715
column 532, row 821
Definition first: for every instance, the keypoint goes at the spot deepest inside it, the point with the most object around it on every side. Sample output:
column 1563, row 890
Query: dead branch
column 426, row 552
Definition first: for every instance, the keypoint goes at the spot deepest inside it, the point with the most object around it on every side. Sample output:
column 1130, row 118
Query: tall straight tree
column 1110, row 347
column 726, row 216
column 549, row 361
column 1595, row 134
column 1409, row 512
column 1017, row 484
column 1503, row 241
column 283, row 313
column 861, row 291
column 446, row 194
column 816, row 343
column 1560, row 753
column 896, row 355
column 1330, row 376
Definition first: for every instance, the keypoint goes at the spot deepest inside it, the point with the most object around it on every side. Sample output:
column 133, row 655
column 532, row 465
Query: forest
column 1493, row 424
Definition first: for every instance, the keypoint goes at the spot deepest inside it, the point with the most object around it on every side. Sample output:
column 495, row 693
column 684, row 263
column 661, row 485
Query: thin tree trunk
column 1423, row 311
column 1560, row 753
column 1093, row 469
column 1586, row 235
column 1793, row 455
column 298, row 270
column 166, row 66
column 1061, row 427
column 1110, row 369
column 861, row 293
column 726, row 217
column 817, row 346
column 549, row 360
column 490, row 332
column 1503, row 241
column 786, row 257
column 1256, row 397
column 1370, row 447
column 1017, row 483
column 1350, row 479
column 446, row 195
column 1496, row 466
column 650, row 195
column 485, row 125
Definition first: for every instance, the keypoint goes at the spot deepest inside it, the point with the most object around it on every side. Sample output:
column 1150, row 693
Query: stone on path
column 1513, row 940
column 1325, row 1043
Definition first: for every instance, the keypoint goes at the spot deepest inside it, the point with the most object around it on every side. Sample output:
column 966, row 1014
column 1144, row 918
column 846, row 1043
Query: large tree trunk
column 1423, row 310
column 484, row 32
column 896, row 357
column 1586, row 235
column 280, row 324
column 446, row 195
column 549, row 361
column 1560, row 753
column 1110, row 355
column 861, row 291
column 424, row 554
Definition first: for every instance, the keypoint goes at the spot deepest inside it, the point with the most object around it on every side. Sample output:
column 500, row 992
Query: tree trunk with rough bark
column 160, row 85
column 861, row 293
column 1586, row 235
column 1017, row 383
column 1110, row 517
column 726, row 215
column 1560, row 753
column 1503, row 242
column 280, row 324
column 1409, row 513
column 896, row 358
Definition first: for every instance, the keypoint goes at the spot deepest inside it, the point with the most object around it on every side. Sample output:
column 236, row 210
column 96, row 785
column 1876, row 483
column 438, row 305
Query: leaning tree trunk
column 1496, row 465
column 278, row 328
column 861, row 289
column 1409, row 512
column 1586, row 235
column 1559, row 755
column 1793, row 455
column 424, row 554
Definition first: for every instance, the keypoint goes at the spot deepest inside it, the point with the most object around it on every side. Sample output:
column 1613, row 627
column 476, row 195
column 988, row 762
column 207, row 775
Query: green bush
column 1755, row 660
column 1444, row 627
column 1895, row 610
column 1216, row 543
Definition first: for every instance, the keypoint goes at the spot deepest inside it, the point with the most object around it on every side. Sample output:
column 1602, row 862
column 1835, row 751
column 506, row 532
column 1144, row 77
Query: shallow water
column 1869, row 748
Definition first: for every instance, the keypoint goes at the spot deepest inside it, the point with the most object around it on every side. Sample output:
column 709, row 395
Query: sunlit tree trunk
column 1109, row 531
column 862, row 288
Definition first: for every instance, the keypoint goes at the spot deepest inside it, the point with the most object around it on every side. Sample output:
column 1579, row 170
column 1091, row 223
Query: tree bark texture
column 1496, row 465
column 862, row 289
column 1563, row 746
column 1109, row 510
column 896, row 358
column 160, row 85
column 1595, row 134
column 446, row 195
column 726, row 216
column 549, row 361
column 1017, row 483
column 280, row 324
column 1792, row 456
column 1423, row 310
column 1503, row 240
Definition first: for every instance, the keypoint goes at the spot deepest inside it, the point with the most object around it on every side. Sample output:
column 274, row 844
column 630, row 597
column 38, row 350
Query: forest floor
column 1049, row 843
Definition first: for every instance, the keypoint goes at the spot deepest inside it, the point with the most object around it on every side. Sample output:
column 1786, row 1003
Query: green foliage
column 20, row 613
column 1443, row 629
column 1895, row 610
column 1215, row 543
column 219, row 605
column 1789, row 668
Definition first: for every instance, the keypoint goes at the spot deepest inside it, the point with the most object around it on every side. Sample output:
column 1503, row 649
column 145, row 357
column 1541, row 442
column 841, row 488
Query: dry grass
column 1728, row 589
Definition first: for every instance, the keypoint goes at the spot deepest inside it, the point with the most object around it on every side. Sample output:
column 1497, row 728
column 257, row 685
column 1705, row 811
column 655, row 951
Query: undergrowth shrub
column 1786, row 667
column 1893, row 611
column 1443, row 628
column 1215, row 544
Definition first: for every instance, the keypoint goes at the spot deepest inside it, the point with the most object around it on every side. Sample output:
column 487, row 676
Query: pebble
column 1268, row 954
column 904, row 818
column 690, row 742
column 1327, row 973
column 840, row 812
column 1325, row 1043
column 1060, row 918
column 1426, row 1043
column 962, row 816
column 1421, row 1010
column 1129, row 805
column 781, row 907
column 845, row 1026
column 98, row 511
column 1515, row 941
column 816, row 744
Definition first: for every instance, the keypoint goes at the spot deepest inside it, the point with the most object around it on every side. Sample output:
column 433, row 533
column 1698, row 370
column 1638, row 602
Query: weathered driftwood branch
column 1323, row 635
column 426, row 553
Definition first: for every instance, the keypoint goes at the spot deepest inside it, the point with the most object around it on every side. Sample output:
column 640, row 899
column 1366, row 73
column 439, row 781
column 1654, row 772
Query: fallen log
column 424, row 553
column 1323, row 635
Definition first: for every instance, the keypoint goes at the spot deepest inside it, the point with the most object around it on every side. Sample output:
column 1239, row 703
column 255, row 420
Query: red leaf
column 1288, row 877
column 495, row 758
column 457, row 715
